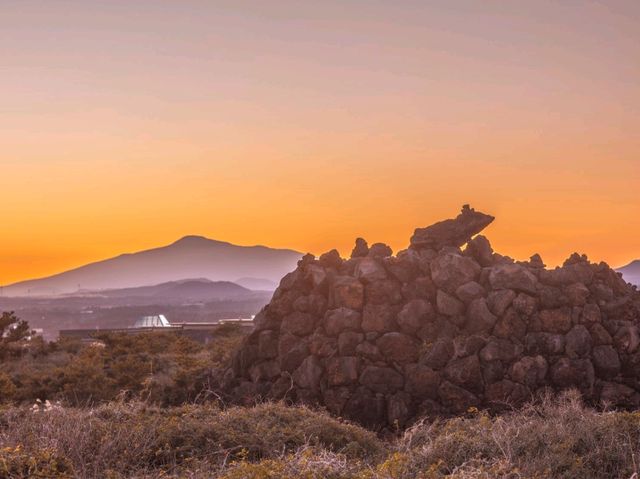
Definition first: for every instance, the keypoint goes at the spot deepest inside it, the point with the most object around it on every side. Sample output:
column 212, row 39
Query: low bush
column 556, row 438
column 161, row 368
column 133, row 437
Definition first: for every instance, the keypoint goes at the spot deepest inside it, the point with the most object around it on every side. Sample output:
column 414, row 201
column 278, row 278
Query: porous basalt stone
column 439, row 328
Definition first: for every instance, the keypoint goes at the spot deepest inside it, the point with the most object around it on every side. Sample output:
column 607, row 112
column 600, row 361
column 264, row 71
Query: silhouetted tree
column 13, row 332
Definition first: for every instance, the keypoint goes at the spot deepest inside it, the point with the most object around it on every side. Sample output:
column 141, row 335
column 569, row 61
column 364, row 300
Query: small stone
column 341, row 319
column 268, row 344
column 264, row 371
column 556, row 320
column 348, row 341
column 399, row 409
column 300, row 324
column 606, row 361
column 367, row 408
column 535, row 261
column 455, row 398
column 591, row 314
column 506, row 394
column 384, row 291
column 398, row 347
column 577, row 294
column 480, row 249
column 381, row 380
column 369, row 269
column 448, row 305
column 309, row 374
column 470, row 291
column 578, row 342
column 335, row 399
column 361, row 249
column 449, row 271
column 342, row 370
column 330, row 259
column 627, row 338
column 468, row 345
column 500, row 349
column 291, row 352
column 569, row 273
column 500, row 300
column 347, row 292
column 615, row 394
column 380, row 250
column 316, row 275
column 414, row 315
column 479, row 318
column 421, row 381
column 599, row 334
column 378, row 318
column 524, row 304
column 466, row 373
column 577, row 373
column 510, row 326
column 492, row 371
column 545, row 344
column 530, row 371
column 369, row 351
column 438, row 354
column 513, row 276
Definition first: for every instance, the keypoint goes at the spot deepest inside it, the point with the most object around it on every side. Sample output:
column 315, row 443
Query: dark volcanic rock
column 454, row 232
column 382, row 380
column 450, row 271
column 360, row 249
column 513, row 276
column 341, row 319
column 381, row 339
column 398, row 347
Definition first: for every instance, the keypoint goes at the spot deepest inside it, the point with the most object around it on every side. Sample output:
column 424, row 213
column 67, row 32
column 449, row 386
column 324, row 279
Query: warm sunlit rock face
column 442, row 326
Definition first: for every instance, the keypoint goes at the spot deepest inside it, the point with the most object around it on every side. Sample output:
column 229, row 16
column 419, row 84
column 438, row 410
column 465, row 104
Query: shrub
column 556, row 438
column 134, row 437
column 44, row 463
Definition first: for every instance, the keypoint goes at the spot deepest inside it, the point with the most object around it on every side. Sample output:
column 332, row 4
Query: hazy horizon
column 296, row 125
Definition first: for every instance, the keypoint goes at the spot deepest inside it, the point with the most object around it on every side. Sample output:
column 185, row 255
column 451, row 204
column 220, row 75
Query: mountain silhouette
column 631, row 272
column 187, row 258
column 177, row 291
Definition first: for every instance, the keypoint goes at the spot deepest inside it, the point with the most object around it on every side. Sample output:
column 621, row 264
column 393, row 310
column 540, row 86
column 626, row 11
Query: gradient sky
column 303, row 124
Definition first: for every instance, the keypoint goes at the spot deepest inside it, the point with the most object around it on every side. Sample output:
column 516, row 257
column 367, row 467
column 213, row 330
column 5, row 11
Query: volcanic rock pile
column 437, row 329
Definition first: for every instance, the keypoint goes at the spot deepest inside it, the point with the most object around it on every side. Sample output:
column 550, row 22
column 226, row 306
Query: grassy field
column 556, row 438
column 145, row 407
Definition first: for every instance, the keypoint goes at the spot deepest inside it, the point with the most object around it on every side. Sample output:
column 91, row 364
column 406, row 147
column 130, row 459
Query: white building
column 158, row 321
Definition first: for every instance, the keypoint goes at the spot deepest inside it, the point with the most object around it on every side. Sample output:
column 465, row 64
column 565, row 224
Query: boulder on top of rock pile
column 438, row 328
column 455, row 232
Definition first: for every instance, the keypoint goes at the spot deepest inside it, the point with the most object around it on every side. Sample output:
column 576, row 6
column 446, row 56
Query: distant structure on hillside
column 158, row 321
column 200, row 332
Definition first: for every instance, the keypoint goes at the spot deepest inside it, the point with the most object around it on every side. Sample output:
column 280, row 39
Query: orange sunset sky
column 303, row 124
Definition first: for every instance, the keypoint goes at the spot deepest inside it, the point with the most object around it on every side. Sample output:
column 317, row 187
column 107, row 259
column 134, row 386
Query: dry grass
column 556, row 438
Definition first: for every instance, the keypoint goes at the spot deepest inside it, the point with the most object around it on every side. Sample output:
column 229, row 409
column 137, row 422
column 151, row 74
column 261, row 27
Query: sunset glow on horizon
column 127, row 125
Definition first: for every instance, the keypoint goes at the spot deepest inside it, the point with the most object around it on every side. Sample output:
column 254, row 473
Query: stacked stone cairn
column 443, row 326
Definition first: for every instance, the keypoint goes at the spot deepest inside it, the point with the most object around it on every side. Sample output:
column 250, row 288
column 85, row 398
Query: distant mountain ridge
column 189, row 289
column 189, row 257
column 631, row 272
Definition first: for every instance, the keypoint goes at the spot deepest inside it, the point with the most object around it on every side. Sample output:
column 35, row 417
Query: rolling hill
column 180, row 291
column 631, row 272
column 189, row 257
